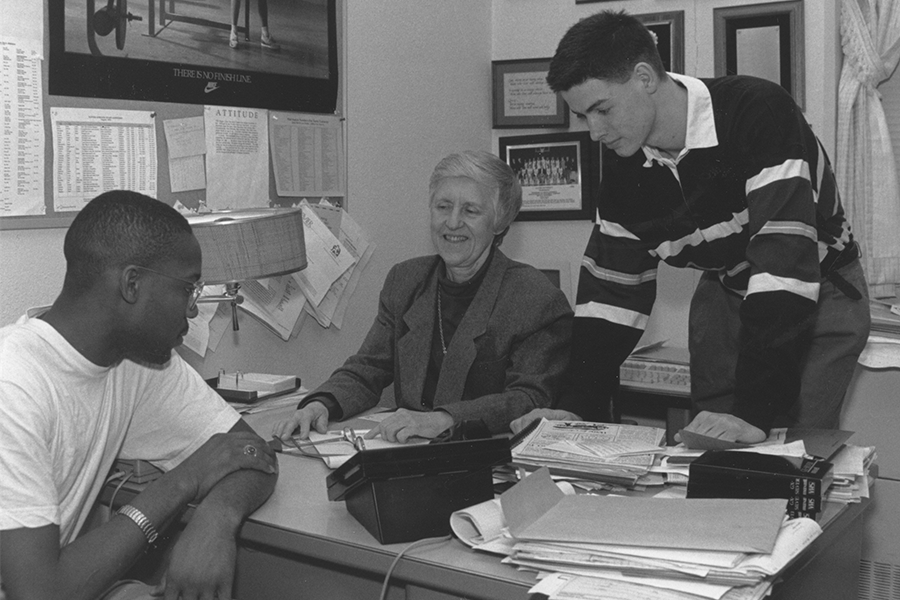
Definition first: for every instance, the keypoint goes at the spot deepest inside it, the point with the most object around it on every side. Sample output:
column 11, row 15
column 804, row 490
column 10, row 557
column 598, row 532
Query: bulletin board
column 86, row 77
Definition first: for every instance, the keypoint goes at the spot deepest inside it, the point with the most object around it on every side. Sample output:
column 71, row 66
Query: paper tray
column 249, row 396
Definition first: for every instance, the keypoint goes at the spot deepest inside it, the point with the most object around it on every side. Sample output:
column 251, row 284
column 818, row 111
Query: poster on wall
column 280, row 55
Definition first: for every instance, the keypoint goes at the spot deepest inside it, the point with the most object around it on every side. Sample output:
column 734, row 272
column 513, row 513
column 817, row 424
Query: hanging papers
column 337, row 250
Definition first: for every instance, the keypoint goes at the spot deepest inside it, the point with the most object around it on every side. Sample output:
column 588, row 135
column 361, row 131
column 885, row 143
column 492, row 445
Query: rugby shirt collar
column 701, row 124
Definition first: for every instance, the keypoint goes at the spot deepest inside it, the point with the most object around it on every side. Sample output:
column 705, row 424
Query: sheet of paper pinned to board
column 331, row 310
column 307, row 154
column 237, row 157
column 186, row 144
column 98, row 150
column 326, row 257
column 22, row 119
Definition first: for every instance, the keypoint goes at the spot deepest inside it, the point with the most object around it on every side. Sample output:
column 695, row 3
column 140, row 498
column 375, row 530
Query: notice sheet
column 95, row 151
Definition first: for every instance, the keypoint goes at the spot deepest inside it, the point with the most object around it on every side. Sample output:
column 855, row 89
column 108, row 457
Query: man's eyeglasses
column 193, row 288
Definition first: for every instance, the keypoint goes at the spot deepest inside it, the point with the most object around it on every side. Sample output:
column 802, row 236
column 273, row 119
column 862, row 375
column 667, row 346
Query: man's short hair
column 607, row 46
column 119, row 228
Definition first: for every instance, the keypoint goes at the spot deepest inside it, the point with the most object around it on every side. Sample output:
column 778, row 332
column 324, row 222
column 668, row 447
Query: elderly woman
column 465, row 335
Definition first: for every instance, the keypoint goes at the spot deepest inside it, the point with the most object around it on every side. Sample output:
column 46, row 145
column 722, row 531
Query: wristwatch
column 141, row 520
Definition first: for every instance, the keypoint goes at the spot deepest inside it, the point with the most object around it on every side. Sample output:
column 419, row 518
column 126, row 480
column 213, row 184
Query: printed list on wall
column 95, row 151
column 21, row 130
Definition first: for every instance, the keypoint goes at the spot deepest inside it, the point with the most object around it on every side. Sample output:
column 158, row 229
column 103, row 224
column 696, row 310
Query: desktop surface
column 299, row 540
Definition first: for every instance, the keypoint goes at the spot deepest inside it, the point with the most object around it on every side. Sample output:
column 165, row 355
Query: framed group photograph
column 183, row 51
column 763, row 40
column 522, row 98
column 668, row 27
column 559, row 174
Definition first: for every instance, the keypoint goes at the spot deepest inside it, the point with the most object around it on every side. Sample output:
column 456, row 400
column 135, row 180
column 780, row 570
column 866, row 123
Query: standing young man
column 93, row 378
column 723, row 175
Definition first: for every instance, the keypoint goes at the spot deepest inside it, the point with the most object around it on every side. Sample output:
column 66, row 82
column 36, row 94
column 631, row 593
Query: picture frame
column 765, row 40
column 522, row 98
column 559, row 174
column 170, row 51
column 669, row 30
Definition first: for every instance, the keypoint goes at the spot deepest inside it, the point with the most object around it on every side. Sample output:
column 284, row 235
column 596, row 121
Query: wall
column 417, row 87
column 411, row 98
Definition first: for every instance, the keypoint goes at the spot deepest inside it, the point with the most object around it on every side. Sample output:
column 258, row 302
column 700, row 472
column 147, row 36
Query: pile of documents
column 851, row 473
column 603, row 452
column 590, row 546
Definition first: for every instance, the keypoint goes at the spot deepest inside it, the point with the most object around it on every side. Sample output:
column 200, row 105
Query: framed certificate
column 522, row 97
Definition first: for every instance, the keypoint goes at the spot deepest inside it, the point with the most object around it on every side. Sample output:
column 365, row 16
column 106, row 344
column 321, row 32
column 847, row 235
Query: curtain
column 865, row 167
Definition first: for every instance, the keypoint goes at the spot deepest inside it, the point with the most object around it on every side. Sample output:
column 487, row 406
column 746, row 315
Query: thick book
column 730, row 474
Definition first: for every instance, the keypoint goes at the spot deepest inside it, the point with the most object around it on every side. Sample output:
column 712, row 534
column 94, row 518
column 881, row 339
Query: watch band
column 141, row 520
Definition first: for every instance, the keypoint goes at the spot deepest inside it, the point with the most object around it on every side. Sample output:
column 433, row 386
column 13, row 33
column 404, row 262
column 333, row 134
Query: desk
column 300, row 541
column 299, row 544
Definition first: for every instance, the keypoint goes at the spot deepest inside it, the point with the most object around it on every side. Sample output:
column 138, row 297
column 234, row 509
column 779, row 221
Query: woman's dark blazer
column 507, row 356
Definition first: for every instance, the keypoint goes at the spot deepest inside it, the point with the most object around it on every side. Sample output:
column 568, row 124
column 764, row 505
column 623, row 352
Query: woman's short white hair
column 488, row 170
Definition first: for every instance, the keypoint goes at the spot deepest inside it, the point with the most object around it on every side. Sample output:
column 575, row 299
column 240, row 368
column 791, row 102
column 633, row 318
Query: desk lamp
column 247, row 244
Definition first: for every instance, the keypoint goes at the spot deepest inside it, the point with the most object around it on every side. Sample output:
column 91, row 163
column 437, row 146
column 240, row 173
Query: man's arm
column 203, row 559
column 33, row 566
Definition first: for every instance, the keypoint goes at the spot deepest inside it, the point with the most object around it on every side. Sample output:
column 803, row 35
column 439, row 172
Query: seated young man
column 94, row 378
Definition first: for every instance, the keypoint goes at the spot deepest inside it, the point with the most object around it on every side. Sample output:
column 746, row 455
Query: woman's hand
column 542, row 413
column 405, row 424
column 312, row 416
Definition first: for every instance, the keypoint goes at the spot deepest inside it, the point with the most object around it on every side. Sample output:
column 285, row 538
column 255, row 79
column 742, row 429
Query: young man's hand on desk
column 725, row 427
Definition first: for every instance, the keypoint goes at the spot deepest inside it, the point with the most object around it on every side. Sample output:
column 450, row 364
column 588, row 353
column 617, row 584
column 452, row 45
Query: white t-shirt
column 65, row 420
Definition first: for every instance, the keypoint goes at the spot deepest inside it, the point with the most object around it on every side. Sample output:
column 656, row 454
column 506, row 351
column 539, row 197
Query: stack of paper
column 618, row 454
column 589, row 546
column 851, row 474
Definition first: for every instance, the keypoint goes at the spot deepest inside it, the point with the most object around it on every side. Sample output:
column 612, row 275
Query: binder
column 729, row 474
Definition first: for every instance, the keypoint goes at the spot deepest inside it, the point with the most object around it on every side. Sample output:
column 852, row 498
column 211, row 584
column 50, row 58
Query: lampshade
column 249, row 244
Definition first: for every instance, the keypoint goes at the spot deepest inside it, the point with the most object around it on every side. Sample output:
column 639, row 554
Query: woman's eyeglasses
column 345, row 435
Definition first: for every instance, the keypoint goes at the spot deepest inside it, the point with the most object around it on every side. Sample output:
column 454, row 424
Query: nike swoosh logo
column 211, row 87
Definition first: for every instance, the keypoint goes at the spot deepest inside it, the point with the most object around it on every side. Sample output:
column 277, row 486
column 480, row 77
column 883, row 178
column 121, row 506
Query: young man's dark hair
column 117, row 228
column 603, row 46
